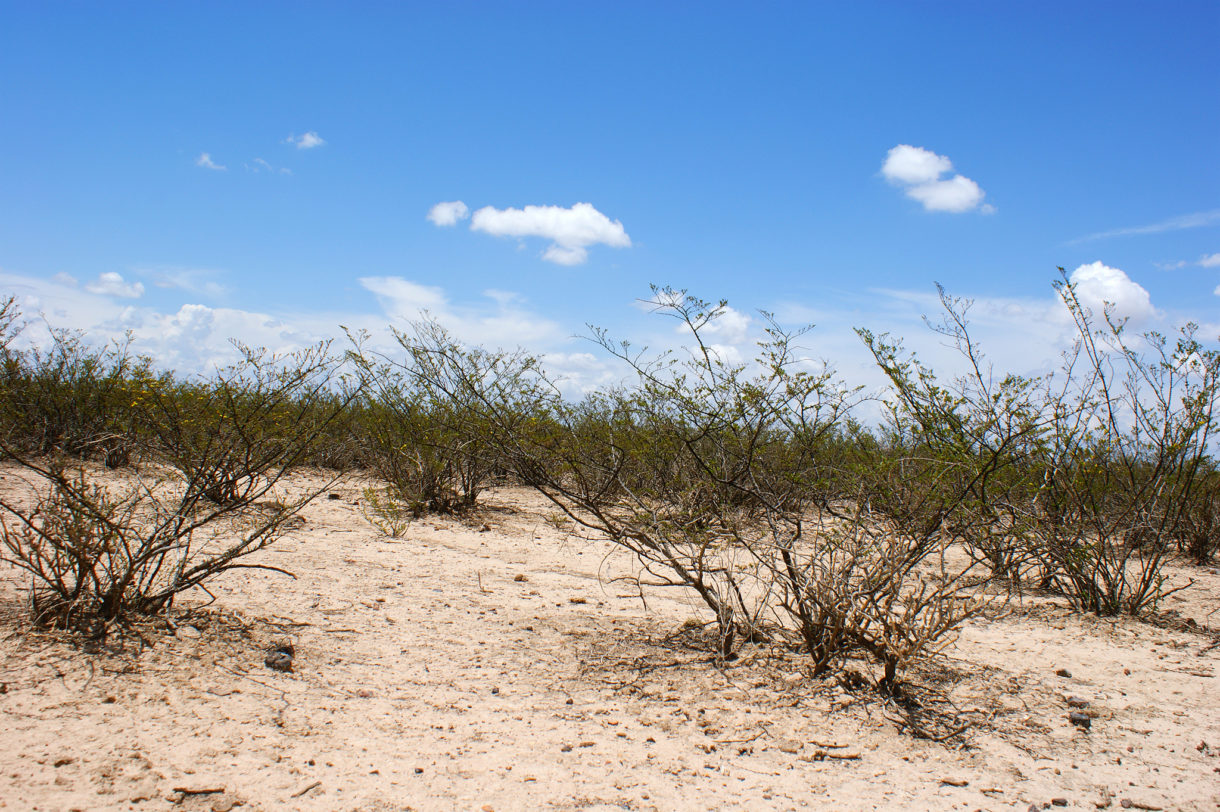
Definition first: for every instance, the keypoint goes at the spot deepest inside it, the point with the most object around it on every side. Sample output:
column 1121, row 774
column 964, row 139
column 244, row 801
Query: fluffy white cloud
column 731, row 327
column 205, row 160
column 112, row 284
column 307, row 141
column 571, row 231
column 1098, row 285
column 1210, row 260
column 919, row 171
column 905, row 164
column 448, row 214
column 957, row 194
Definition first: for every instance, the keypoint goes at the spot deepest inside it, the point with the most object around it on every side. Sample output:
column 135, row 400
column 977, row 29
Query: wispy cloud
column 571, row 231
column 205, row 160
column 262, row 165
column 191, row 280
column 1210, row 260
column 1198, row 219
column 307, row 141
column 918, row 171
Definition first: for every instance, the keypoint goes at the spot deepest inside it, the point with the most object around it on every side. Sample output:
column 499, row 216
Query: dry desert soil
column 498, row 662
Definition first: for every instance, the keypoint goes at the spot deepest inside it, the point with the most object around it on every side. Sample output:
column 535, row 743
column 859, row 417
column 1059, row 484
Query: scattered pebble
column 1059, row 801
column 278, row 661
column 1077, row 702
column 1082, row 720
column 1063, row 672
column 520, row 578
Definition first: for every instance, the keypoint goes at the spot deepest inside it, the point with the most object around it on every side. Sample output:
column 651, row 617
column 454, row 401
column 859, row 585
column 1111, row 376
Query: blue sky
column 265, row 171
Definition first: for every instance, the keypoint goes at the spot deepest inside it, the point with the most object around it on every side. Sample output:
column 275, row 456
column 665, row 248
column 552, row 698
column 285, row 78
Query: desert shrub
column 108, row 554
column 1199, row 530
column 233, row 434
column 98, row 554
column 1086, row 478
column 1125, row 460
column 734, row 481
column 958, row 456
column 72, row 398
column 425, row 426
column 384, row 510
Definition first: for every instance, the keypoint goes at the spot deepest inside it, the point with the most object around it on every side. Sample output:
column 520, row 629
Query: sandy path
column 426, row 677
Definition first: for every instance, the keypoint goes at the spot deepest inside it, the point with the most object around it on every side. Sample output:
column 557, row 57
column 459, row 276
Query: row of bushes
column 751, row 485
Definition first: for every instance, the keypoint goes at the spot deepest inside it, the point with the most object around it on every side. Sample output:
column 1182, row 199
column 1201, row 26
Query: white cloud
column 957, row 194
column 1196, row 220
column 112, row 284
column 65, row 279
column 307, row 141
column 571, row 231
column 905, row 164
column 1097, row 285
column 205, row 160
column 1210, row 260
column 919, row 171
column 448, row 214
column 731, row 327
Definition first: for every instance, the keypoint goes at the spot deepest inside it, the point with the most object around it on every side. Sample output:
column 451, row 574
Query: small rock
column 419, row 770
column 790, row 746
column 1079, row 719
column 188, row 633
column 954, row 782
column 283, row 645
column 223, row 804
column 520, row 578
column 278, row 661
column 1059, row 801
column 486, row 528
column 364, row 693
column 1077, row 702
column 567, row 748
column 495, row 690
column 578, row 600
column 334, row 496
column 488, row 808
column 1063, row 672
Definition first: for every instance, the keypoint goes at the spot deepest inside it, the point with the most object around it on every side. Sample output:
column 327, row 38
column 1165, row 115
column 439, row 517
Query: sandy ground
column 493, row 664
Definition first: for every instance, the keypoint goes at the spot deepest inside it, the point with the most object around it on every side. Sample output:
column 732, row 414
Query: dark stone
column 1077, row 702
column 1063, row 672
column 278, row 661
column 1081, row 719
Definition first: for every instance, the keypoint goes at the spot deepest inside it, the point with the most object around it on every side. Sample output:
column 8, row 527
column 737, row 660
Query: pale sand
column 427, row 677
